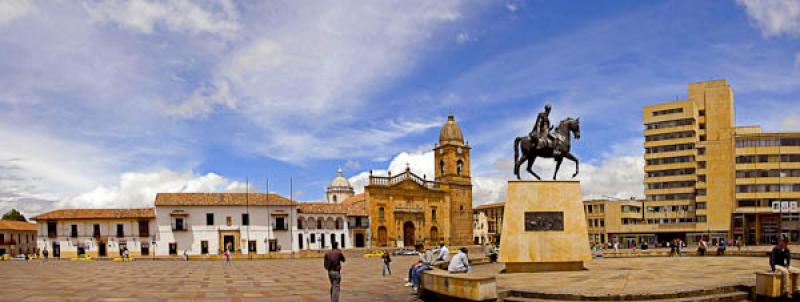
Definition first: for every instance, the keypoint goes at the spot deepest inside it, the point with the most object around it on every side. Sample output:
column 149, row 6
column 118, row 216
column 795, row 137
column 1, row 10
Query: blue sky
column 105, row 103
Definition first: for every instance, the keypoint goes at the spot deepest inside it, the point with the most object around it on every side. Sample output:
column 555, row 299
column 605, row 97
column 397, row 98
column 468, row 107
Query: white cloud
column 511, row 7
column 138, row 189
column 11, row 10
column 352, row 164
column 774, row 17
column 464, row 37
column 791, row 123
column 176, row 15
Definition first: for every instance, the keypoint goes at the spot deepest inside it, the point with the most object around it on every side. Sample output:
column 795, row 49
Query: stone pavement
column 638, row 276
column 263, row 280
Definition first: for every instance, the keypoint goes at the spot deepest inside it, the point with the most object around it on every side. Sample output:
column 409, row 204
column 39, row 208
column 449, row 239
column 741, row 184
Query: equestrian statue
column 543, row 142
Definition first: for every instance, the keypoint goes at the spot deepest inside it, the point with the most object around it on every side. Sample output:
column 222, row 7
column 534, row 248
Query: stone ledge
column 440, row 285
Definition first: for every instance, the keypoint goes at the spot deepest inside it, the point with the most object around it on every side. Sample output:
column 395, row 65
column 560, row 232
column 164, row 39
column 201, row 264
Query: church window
column 459, row 166
column 433, row 213
column 334, row 198
column 441, row 167
column 381, row 213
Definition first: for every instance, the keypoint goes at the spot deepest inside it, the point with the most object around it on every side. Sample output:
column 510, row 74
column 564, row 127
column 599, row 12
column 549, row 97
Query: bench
column 440, row 285
column 768, row 284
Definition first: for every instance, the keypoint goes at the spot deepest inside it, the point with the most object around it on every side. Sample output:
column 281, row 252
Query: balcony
column 180, row 226
column 280, row 227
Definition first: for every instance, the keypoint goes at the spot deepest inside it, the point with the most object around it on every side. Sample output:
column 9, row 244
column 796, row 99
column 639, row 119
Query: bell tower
column 452, row 162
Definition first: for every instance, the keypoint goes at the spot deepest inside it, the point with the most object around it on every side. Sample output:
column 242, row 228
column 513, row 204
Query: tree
column 14, row 215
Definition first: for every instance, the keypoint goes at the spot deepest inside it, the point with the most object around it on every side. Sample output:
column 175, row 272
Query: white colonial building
column 96, row 232
column 206, row 223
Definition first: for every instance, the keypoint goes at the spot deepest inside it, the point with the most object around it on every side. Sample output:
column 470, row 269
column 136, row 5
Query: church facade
column 406, row 208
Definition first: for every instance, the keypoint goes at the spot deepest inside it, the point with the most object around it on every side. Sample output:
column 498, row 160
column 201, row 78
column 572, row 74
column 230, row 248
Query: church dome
column 340, row 181
column 451, row 133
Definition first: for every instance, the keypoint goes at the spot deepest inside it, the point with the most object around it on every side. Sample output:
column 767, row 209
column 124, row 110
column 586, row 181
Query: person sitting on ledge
column 779, row 260
column 459, row 263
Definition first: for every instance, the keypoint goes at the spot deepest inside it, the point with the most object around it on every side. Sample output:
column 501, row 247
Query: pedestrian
column 387, row 262
column 228, row 257
column 616, row 246
column 680, row 247
column 779, row 261
column 701, row 247
column 460, row 262
column 45, row 254
column 185, row 256
column 491, row 252
column 722, row 246
column 333, row 264
column 739, row 244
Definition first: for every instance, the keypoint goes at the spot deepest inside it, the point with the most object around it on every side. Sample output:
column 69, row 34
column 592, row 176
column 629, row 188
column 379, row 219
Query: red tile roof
column 356, row 205
column 320, row 208
column 17, row 225
column 97, row 214
column 220, row 199
column 490, row 205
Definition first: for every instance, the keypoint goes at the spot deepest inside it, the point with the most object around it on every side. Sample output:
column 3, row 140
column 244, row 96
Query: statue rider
column 541, row 130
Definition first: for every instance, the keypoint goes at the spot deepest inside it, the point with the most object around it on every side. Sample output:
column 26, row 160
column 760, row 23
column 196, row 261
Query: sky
column 105, row 103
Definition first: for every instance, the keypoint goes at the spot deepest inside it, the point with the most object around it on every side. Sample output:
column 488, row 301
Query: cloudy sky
column 105, row 103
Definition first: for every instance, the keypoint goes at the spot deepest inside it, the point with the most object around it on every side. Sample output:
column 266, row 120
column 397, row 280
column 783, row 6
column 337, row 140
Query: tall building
column 689, row 163
column 406, row 209
column 705, row 177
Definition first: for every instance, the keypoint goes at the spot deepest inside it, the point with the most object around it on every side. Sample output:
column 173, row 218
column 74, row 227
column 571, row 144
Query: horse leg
column 530, row 165
column 575, row 159
column 518, row 163
column 558, row 165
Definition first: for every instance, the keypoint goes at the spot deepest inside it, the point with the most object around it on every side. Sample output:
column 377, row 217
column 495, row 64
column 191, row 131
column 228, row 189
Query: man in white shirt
column 460, row 262
column 444, row 253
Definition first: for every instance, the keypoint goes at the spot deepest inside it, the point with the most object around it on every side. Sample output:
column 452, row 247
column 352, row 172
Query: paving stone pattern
column 263, row 280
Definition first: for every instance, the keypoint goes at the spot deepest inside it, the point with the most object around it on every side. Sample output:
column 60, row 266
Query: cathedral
column 405, row 209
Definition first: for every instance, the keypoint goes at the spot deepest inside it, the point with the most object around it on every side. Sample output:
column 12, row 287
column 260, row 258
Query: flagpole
column 247, row 210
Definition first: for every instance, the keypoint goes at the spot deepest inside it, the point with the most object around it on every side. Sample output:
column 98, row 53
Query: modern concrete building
column 487, row 223
column 767, row 186
column 17, row 237
column 96, row 232
column 207, row 223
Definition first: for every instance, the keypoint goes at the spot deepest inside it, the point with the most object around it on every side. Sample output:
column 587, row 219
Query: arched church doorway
column 408, row 234
column 382, row 236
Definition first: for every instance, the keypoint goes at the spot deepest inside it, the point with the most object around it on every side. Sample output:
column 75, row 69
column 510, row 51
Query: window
column 179, row 225
column 228, row 221
column 441, row 167
column 670, row 124
column 144, row 228
column 313, row 238
column 209, row 218
column 334, row 199
column 702, row 112
column 245, row 219
column 319, row 223
column 173, row 248
column 120, row 230
column 381, row 213
column 300, row 223
column 433, row 213
column 459, row 166
column 96, row 230
column 667, row 111
column 73, row 231
column 701, row 205
column 52, row 229
column 701, row 218
column 280, row 223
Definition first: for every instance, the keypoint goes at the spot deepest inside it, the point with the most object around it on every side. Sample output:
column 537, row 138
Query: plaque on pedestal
column 544, row 227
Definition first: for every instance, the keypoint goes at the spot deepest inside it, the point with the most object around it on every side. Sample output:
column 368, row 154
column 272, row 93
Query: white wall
column 261, row 228
column 328, row 228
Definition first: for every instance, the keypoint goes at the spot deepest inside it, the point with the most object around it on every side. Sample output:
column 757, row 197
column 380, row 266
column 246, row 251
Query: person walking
column 722, row 246
column 45, row 254
column 702, row 247
column 387, row 262
column 779, row 260
column 333, row 264
column 227, row 257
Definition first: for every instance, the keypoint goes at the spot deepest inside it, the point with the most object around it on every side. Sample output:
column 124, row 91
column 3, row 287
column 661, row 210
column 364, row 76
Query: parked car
column 19, row 257
column 406, row 251
column 374, row 253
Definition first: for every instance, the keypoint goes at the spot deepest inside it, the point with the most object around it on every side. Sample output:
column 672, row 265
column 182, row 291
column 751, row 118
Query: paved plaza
column 263, row 280
column 305, row 279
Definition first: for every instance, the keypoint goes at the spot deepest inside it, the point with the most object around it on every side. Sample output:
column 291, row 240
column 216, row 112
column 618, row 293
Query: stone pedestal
column 544, row 227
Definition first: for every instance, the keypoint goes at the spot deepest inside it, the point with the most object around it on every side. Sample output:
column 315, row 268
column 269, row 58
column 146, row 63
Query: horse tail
column 516, row 148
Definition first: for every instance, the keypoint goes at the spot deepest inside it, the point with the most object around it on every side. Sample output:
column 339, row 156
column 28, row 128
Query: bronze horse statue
column 557, row 150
